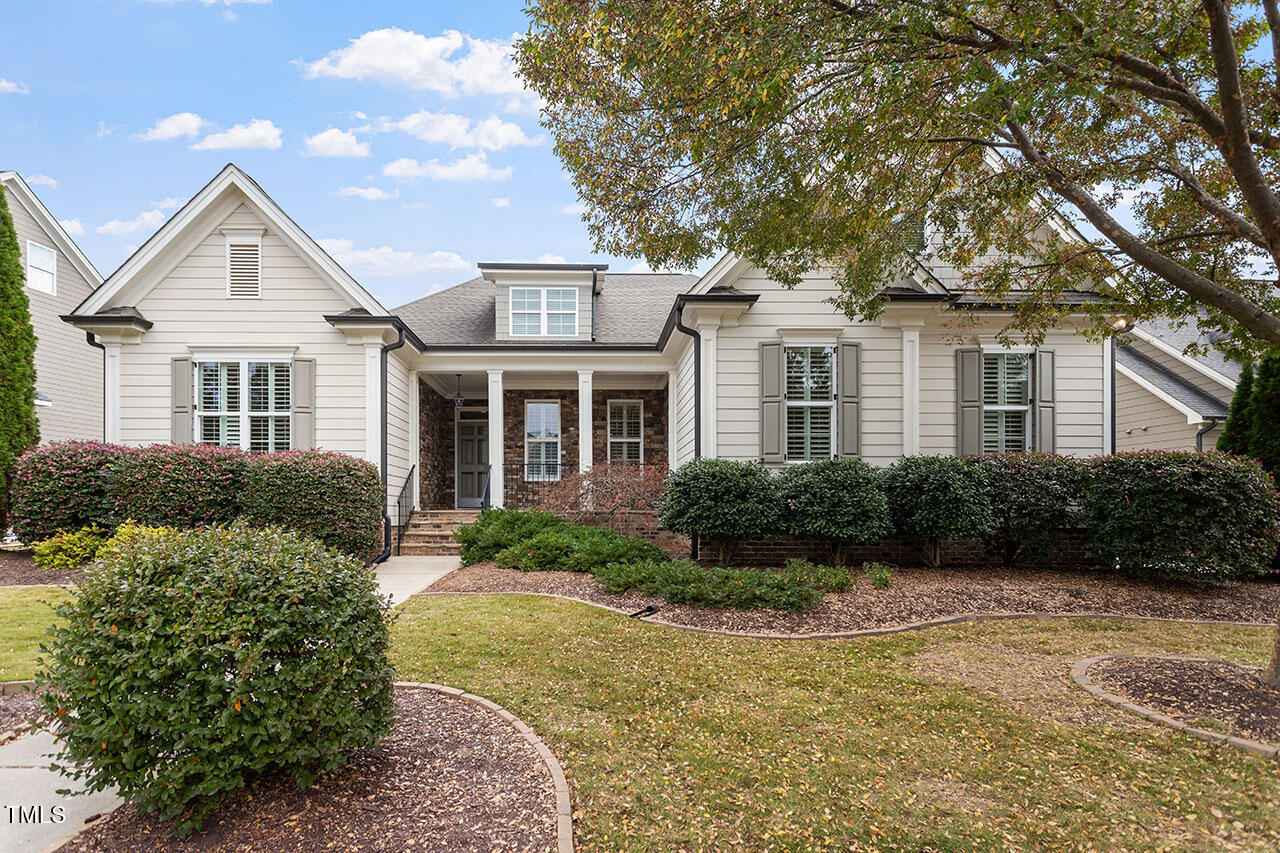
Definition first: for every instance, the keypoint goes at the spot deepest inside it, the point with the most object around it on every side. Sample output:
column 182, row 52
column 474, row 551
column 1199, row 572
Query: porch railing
column 484, row 493
column 404, row 507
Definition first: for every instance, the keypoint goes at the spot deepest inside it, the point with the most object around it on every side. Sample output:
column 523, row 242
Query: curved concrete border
column 564, row 810
column 1080, row 674
column 869, row 632
column 8, row 688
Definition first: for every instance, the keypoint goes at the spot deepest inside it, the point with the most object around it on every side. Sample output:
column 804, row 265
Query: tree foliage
column 1264, row 416
column 1235, row 432
column 800, row 134
column 19, row 429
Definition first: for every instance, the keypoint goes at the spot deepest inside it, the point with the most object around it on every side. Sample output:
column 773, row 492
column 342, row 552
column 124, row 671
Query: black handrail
column 484, row 493
column 404, row 506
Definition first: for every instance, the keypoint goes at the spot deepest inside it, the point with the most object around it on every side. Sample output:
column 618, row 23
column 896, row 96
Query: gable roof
column 1186, row 396
column 1173, row 338
column 228, row 189
column 13, row 182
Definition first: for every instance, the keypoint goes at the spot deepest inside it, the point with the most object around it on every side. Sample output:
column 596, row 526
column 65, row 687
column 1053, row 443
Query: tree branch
column 1273, row 24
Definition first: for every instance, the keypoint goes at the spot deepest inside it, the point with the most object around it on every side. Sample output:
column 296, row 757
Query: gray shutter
column 303, row 403
column 1045, row 435
column 772, row 404
column 969, row 397
column 848, row 400
column 181, row 430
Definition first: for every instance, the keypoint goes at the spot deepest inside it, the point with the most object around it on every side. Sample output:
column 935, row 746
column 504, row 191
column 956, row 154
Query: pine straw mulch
column 916, row 595
column 1212, row 695
column 451, row 776
column 17, row 568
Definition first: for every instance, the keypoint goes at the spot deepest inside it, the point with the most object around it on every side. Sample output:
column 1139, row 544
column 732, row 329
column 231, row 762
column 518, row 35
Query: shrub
column 497, row 529
column 839, row 500
column 1263, row 430
column 332, row 496
column 1235, row 432
column 576, row 548
column 880, row 575
column 821, row 578
column 685, row 582
column 69, row 550
column 180, row 485
column 722, row 499
column 1200, row 517
column 1033, row 497
column 190, row 661
column 936, row 498
column 19, row 428
column 63, row 487
column 606, row 488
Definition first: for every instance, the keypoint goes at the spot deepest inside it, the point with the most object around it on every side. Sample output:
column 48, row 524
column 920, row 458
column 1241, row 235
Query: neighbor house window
column 544, row 311
column 810, row 391
column 244, row 404
column 1006, row 402
column 626, row 427
column 42, row 268
column 542, row 440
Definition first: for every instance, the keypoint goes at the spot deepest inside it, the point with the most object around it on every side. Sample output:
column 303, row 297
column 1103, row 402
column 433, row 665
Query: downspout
column 93, row 342
column 697, row 399
column 1114, row 347
column 594, row 272
column 1214, row 420
column 386, row 516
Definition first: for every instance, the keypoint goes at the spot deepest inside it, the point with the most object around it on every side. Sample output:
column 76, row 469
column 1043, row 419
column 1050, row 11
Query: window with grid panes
column 1006, row 402
column 626, row 429
column 810, row 398
column 245, row 404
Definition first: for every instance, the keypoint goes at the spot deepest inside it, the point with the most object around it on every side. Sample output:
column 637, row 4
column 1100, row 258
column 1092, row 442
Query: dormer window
column 544, row 311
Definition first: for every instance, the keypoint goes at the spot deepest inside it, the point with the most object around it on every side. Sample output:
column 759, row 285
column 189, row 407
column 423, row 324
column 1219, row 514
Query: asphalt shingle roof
column 1181, row 337
column 1171, row 383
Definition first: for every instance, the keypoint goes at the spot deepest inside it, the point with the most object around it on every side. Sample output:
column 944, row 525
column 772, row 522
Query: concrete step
column 409, row 549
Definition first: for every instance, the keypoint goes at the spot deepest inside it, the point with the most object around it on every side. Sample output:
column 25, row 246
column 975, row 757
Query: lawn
column 963, row 738
column 24, row 614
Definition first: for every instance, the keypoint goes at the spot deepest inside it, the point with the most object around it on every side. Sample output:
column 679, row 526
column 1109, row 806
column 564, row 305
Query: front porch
column 500, row 438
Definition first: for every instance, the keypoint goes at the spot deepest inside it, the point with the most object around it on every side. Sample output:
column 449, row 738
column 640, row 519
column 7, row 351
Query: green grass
column 24, row 614
column 681, row 741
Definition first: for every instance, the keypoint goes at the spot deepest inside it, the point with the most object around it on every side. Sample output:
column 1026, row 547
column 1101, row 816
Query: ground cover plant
column 799, row 586
column 575, row 548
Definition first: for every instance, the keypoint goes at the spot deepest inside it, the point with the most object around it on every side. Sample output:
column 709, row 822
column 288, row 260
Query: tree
column 19, row 429
column 1235, row 432
column 802, row 133
column 1263, row 436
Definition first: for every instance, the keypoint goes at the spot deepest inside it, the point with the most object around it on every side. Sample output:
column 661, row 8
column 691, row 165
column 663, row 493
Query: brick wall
column 638, row 522
column 435, row 449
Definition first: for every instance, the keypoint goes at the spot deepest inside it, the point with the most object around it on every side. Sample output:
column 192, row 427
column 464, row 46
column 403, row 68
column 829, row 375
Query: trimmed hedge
column 64, row 487
column 189, row 662
column 1033, row 497
column 180, row 485
column 936, row 498
column 839, row 500
column 1200, row 517
column 723, row 499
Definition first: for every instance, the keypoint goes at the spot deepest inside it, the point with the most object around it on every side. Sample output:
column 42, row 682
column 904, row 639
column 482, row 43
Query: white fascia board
column 723, row 271
column 1193, row 417
column 14, row 182
column 462, row 361
column 1195, row 365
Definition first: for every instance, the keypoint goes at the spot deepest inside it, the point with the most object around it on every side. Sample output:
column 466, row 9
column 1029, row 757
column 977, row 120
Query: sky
column 395, row 132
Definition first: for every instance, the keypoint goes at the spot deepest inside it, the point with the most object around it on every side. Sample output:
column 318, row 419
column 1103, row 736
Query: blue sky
column 393, row 131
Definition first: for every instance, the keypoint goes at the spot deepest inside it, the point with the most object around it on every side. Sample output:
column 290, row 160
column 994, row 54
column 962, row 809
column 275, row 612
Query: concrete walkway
column 401, row 577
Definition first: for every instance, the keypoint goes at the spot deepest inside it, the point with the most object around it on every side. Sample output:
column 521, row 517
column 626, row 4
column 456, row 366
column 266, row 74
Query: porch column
column 584, row 420
column 415, row 443
column 710, row 428
column 496, row 439
column 373, row 402
column 111, row 393
column 911, row 388
column 671, row 419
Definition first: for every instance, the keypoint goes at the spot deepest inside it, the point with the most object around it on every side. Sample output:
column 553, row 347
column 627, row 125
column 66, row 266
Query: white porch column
column 584, row 420
column 373, row 402
column 415, row 449
column 709, row 330
column 496, row 435
column 671, row 419
column 111, row 393
column 911, row 388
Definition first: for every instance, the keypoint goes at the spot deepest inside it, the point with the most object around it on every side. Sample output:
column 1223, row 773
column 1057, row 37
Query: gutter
column 93, row 342
column 386, row 516
column 1212, row 422
column 1115, row 344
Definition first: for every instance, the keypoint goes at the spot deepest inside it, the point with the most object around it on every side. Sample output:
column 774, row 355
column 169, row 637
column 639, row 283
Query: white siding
column 1145, row 422
column 68, row 370
column 682, row 429
column 400, row 454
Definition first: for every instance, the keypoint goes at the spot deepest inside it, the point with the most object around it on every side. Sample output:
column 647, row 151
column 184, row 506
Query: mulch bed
column 18, row 569
column 16, row 712
column 916, row 595
column 1207, row 694
column 451, row 776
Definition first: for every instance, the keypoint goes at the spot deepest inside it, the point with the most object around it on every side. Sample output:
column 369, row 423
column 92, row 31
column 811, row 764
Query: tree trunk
column 1271, row 675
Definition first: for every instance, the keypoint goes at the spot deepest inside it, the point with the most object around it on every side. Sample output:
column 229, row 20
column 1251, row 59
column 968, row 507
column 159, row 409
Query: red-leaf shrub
column 64, row 486
column 607, row 488
column 334, row 497
column 181, row 485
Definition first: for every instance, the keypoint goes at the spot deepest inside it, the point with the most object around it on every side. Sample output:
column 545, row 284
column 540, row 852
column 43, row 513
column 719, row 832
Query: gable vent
column 244, row 270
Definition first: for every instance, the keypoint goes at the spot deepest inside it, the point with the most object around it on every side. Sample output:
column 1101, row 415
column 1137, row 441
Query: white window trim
column 243, row 412
column 610, row 440
column 830, row 404
column 542, row 312
column 53, row 290
column 559, row 441
column 246, row 237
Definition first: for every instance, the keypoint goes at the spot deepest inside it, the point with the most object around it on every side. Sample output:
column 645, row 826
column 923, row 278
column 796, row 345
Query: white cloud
column 473, row 167
column 335, row 143
column 148, row 219
column 457, row 131
column 547, row 258
column 575, row 209
column 12, row 87
column 500, row 202
column 74, row 227
column 105, row 129
column 370, row 193
column 171, row 127
column 440, row 64
column 386, row 261
column 166, row 203
column 42, row 181
column 259, row 133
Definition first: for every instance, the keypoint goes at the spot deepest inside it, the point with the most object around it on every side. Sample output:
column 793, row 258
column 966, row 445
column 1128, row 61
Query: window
column 42, row 268
column 912, row 233
column 810, row 394
column 226, row 415
column 626, row 428
column 544, row 311
column 1006, row 402
column 244, row 270
column 542, row 440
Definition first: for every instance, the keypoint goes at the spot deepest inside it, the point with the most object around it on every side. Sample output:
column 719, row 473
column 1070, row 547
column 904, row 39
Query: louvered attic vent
column 244, row 270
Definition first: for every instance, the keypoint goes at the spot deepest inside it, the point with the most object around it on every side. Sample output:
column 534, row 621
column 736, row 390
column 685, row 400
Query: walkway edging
column 564, row 809
column 8, row 688
column 1080, row 674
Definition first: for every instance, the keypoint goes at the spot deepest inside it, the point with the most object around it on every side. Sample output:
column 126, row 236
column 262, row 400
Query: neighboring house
column 1165, row 399
column 230, row 325
column 58, row 278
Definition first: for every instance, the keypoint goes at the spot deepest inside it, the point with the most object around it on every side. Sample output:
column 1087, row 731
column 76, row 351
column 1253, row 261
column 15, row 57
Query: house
column 1166, row 399
column 58, row 278
column 231, row 325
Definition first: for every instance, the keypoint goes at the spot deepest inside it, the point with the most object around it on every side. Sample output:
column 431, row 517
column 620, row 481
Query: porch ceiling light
column 457, row 398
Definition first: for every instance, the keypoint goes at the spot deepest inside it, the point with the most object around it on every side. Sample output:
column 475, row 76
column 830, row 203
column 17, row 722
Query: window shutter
column 969, row 397
column 848, row 411
column 772, row 405
column 1046, row 422
column 181, row 430
column 304, row 404
column 244, row 270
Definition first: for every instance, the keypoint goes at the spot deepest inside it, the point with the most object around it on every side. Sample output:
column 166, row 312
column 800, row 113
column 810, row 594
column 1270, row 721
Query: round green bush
column 1199, row 517
column 180, row 485
column 1034, row 496
column 62, row 487
column 840, row 500
column 938, row 498
column 723, row 499
column 190, row 661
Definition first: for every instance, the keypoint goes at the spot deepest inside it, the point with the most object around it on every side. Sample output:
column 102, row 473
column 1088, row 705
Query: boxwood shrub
column 839, row 500
column 63, row 487
column 937, row 498
column 180, row 485
column 723, row 499
column 1199, row 517
column 190, row 661
column 1034, row 496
